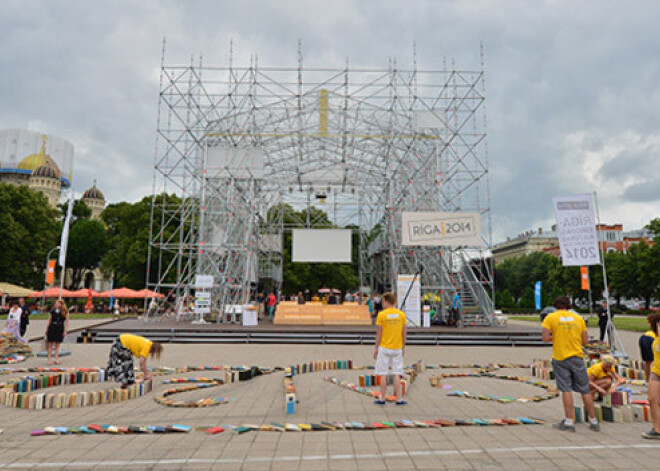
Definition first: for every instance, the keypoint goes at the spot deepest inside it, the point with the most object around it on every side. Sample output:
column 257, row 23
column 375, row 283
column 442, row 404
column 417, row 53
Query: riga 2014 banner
column 576, row 230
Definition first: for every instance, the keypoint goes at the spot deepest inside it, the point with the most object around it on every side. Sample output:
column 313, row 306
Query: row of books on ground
column 637, row 412
column 281, row 427
column 10, row 398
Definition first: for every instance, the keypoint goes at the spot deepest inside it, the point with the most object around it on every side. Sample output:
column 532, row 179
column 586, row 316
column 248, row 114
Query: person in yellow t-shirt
column 120, row 363
column 646, row 351
column 390, row 346
column 654, row 380
column 603, row 378
column 568, row 332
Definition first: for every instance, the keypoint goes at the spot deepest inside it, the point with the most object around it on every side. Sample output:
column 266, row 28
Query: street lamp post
column 43, row 296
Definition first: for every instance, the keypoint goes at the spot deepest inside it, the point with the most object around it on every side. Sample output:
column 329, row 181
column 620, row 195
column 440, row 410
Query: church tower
column 94, row 199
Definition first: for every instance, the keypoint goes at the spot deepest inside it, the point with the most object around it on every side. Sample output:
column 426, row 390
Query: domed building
column 94, row 199
column 37, row 170
column 43, row 163
column 47, row 179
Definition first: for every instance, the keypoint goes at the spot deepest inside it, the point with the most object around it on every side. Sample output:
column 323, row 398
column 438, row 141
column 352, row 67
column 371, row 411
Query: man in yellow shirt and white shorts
column 568, row 333
column 390, row 346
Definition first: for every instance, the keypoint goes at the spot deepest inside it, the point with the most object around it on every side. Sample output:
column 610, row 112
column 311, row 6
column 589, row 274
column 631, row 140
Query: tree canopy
column 128, row 240
column 633, row 274
column 30, row 229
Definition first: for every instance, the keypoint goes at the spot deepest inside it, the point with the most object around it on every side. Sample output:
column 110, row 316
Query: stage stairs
column 186, row 333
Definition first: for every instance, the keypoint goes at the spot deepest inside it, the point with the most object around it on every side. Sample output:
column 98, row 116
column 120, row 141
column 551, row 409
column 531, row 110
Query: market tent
column 84, row 293
column 147, row 293
column 120, row 293
column 14, row 291
column 53, row 292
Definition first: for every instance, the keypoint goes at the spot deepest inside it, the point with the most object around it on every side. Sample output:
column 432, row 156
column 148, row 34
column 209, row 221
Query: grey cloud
column 89, row 70
column 630, row 163
column 645, row 192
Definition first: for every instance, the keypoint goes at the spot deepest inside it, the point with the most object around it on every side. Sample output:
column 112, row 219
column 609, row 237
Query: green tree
column 80, row 210
column 29, row 230
column 654, row 226
column 88, row 243
column 128, row 239
column 518, row 275
column 646, row 274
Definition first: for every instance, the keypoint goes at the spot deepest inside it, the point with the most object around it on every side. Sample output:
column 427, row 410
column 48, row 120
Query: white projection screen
column 321, row 246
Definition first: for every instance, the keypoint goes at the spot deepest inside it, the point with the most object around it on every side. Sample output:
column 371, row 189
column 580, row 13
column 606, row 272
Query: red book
column 214, row 430
column 641, row 402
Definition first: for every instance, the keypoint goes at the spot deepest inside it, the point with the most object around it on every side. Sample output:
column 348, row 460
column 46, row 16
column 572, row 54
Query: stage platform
column 169, row 331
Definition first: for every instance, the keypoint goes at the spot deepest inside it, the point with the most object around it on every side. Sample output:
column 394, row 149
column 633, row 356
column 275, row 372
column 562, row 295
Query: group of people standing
column 18, row 319
column 568, row 333
column 56, row 328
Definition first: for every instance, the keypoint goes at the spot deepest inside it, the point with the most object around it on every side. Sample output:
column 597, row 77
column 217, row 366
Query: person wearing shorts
column 654, row 380
column 568, row 333
column 390, row 347
column 646, row 351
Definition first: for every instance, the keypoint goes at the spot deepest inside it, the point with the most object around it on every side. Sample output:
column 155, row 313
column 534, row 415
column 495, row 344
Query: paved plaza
column 261, row 401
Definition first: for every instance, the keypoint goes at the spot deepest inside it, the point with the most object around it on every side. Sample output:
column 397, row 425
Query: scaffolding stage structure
column 238, row 143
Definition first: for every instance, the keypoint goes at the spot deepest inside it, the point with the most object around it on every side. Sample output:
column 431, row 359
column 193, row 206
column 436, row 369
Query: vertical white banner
column 64, row 240
column 576, row 230
column 413, row 306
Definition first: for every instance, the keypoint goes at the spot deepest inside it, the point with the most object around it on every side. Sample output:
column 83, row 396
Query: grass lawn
column 635, row 324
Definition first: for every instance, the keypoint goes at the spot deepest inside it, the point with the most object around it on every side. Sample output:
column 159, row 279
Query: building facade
column 611, row 238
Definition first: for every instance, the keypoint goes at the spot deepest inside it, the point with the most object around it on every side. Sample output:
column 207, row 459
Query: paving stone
column 261, row 400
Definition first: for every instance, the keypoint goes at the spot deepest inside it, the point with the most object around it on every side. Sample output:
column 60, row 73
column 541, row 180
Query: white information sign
column 202, row 302
column 203, row 281
column 413, row 306
column 437, row 228
column 249, row 315
column 576, row 230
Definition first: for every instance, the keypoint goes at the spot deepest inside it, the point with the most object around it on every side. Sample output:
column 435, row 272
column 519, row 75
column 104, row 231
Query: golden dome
column 34, row 161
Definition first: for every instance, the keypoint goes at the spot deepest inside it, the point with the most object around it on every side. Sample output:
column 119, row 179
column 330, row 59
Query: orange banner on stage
column 50, row 273
column 584, row 276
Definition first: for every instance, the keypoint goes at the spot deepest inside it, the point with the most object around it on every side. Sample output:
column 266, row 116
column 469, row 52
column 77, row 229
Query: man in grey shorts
column 568, row 332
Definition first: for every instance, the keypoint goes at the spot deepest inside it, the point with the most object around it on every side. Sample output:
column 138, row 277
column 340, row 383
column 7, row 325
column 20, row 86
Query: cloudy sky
column 573, row 88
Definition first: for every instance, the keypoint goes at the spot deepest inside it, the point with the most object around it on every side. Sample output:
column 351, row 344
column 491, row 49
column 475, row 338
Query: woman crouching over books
column 120, row 363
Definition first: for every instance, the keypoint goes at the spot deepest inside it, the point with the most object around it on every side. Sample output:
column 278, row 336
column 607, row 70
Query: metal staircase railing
column 476, row 289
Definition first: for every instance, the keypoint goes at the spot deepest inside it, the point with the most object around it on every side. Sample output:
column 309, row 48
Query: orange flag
column 584, row 276
column 50, row 274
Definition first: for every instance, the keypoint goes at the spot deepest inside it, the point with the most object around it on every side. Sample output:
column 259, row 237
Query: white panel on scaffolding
column 321, row 245
column 235, row 162
column 439, row 228
column 426, row 119
column 217, row 239
column 253, row 266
